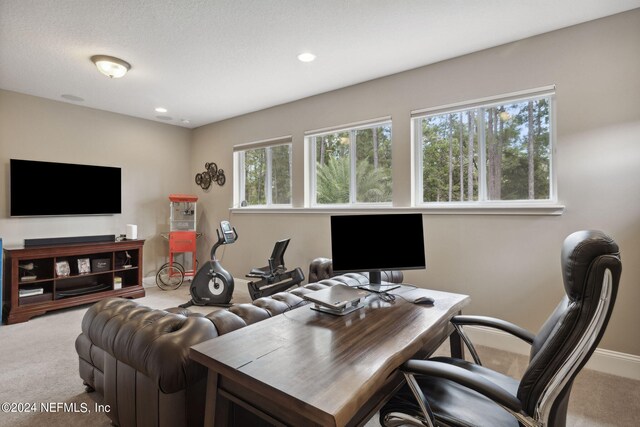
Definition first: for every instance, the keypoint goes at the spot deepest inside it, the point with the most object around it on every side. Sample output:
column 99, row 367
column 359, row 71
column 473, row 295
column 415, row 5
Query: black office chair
column 451, row 392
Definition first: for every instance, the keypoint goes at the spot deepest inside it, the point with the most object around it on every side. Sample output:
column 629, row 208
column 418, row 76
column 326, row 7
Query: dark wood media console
column 45, row 278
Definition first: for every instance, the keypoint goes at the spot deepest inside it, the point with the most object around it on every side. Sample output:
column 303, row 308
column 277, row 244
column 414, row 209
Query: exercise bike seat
column 259, row 272
column 266, row 271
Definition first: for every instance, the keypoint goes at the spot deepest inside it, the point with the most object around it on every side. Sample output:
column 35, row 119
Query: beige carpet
column 39, row 370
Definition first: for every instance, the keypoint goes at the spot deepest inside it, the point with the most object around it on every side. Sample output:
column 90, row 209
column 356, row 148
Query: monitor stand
column 376, row 285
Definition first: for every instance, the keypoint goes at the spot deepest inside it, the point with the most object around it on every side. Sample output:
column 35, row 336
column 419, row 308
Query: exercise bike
column 212, row 284
column 274, row 277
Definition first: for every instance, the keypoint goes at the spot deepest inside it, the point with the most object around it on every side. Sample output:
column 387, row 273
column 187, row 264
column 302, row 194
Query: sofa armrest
column 320, row 269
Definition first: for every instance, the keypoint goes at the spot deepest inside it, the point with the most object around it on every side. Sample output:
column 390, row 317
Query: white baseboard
column 602, row 360
column 615, row 363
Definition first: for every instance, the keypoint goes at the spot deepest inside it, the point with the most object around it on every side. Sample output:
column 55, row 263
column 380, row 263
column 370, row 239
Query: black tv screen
column 48, row 189
column 377, row 242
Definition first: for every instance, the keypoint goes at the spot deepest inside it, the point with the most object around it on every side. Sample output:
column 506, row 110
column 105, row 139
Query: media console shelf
column 46, row 278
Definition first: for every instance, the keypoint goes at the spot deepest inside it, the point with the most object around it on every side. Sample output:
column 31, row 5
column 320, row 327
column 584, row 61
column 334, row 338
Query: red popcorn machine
column 182, row 241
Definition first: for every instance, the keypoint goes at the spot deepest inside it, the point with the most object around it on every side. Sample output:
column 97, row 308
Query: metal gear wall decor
column 211, row 174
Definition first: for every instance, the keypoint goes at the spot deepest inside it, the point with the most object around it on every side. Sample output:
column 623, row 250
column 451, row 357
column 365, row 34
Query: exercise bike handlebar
column 222, row 240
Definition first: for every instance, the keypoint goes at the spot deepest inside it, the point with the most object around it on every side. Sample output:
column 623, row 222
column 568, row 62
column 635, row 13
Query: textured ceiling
column 207, row 60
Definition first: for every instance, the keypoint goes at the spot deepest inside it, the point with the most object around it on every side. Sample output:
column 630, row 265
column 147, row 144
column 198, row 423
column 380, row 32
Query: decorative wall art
column 209, row 175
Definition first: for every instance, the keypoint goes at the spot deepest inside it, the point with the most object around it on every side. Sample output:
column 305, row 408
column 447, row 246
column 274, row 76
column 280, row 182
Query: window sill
column 523, row 208
column 434, row 209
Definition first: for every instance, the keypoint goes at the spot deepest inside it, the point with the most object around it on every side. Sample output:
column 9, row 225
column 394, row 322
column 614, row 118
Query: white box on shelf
column 132, row 232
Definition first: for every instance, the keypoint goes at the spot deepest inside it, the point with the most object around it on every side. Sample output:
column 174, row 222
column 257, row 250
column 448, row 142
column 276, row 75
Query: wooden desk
column 309, row 368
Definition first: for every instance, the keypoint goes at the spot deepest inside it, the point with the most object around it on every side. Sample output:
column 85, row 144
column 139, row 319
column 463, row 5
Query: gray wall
column 154, row 158
column 509, row 264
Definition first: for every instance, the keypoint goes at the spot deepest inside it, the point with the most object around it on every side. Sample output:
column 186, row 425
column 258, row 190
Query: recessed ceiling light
column 185, row 121
column 161, row 110
column 306, row 57
column 111, row 66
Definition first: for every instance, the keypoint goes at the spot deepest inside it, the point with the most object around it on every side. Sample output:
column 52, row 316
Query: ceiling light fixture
column 306, row 57
column 111, row 66
column 161, row 110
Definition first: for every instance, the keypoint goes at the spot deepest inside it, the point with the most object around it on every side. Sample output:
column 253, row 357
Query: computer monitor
column 373, row 243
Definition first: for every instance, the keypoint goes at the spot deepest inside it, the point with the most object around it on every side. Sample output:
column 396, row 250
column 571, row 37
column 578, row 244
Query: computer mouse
column 424, row 300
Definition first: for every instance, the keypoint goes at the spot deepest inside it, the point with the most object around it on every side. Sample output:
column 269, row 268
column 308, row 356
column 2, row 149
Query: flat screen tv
column 50, row 189
column 372, row 243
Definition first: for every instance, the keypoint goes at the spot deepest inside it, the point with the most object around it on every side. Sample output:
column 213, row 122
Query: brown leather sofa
column 137, row 358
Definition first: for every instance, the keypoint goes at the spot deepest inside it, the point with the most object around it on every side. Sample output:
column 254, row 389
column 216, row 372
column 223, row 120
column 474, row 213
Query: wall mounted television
column 377, row 242
column 51, row 189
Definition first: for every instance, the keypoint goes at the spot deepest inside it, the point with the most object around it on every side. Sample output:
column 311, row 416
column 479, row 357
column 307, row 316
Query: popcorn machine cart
column 182, row 240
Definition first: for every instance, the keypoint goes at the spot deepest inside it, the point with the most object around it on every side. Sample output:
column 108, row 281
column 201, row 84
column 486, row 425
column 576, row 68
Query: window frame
column 311, row 195
column 239, row 172
column 483, row 203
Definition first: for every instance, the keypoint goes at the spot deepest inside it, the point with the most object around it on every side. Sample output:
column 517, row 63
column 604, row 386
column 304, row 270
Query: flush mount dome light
column 111, row 66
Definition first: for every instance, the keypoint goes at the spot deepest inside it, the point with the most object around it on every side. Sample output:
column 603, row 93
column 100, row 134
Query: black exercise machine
column 212, row 284
column 274, row 277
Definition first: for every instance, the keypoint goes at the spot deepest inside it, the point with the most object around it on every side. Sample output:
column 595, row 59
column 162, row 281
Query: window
column 351, row 165
column 263, row 173
column 488, row 152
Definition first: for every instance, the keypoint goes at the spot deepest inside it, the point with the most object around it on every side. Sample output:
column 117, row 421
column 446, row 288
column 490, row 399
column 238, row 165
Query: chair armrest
column 465, row 378
column 492, row 322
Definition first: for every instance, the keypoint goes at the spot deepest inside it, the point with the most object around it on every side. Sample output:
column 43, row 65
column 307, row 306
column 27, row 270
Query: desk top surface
column 327, row 365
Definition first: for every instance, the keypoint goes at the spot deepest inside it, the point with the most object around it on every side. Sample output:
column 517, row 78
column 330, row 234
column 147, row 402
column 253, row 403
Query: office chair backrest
column 591, row 270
